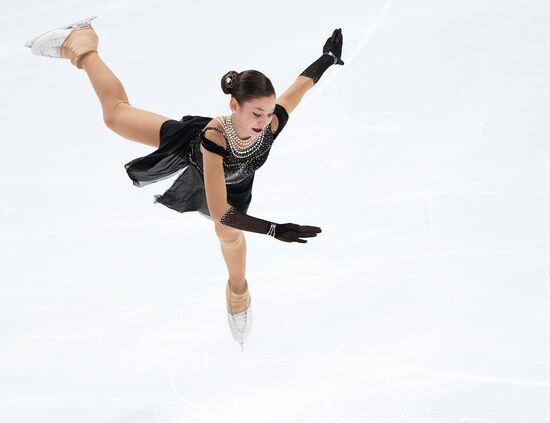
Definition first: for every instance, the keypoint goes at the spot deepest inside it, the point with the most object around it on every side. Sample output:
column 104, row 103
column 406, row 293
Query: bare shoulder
column 213, row 135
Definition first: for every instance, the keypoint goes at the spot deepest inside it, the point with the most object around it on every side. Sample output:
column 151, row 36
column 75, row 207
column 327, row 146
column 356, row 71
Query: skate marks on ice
column 348, row 56
column 300, row 375
column 258, row 383
column 350, row 88
column 484, row 120
column 479, row 397
column 449, row 74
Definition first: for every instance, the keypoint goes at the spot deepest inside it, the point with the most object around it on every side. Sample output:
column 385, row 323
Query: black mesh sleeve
column 240, row 220
column 317, row 68
column 287, row 232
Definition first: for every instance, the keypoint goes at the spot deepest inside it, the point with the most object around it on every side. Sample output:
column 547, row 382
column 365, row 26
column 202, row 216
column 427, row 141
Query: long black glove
column 332, row 53
column 288, row 232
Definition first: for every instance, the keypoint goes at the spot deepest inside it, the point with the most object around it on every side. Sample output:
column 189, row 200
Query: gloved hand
column 334, row 45
column 332, row 54
column 290, row 232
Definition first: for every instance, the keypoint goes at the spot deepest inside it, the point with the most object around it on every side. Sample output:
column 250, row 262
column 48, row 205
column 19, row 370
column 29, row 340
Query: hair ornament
column 230, row 80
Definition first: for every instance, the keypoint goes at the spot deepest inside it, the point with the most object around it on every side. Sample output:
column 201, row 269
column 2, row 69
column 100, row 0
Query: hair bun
column 228, row 81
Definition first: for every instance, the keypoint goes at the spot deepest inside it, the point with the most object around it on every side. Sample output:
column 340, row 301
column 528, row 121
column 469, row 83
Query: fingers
column 308, row 232
column 296, row 237
column 293, row 238
column 298, row 232
column 336, row 36
column 339, row 42
column 301, row 232
column 310, row 229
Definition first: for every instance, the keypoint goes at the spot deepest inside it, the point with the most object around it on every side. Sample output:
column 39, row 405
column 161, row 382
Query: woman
column 220, row 155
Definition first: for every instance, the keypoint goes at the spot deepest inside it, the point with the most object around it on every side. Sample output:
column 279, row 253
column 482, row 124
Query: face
column 254, row 115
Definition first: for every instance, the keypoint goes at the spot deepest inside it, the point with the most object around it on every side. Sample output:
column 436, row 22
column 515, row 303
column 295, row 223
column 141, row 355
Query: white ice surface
column 425, row 159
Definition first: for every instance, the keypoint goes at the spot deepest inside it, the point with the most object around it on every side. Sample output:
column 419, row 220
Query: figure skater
column 219, row 156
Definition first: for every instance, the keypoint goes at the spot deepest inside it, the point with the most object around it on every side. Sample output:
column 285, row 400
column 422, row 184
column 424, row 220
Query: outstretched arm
column 213, row 150
column 293, row 95
column 332, row 53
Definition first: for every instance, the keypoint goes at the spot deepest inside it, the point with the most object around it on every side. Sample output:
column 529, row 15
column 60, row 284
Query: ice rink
column 426, row 299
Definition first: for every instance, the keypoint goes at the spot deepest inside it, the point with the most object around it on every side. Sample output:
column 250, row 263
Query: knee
column 110, row 115
column 109, row 120
column 229, row 237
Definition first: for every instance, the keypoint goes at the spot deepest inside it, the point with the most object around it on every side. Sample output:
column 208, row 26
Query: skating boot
column 239, row 313
column 71, row 42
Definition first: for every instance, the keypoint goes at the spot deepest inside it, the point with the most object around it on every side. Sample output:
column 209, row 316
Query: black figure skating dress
column 180, row 149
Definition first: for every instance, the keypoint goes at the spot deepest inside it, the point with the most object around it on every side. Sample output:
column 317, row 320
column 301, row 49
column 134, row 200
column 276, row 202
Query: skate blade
column 239, row 336
column 78, row 24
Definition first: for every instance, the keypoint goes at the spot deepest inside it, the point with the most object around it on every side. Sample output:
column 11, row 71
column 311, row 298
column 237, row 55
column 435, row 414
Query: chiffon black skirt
column 187, row 193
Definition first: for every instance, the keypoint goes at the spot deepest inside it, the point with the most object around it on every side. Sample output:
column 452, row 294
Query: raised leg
column 127, row 121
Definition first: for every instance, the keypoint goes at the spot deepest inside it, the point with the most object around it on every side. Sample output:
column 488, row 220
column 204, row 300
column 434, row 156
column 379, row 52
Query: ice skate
column 71, row 42
column 239, row 313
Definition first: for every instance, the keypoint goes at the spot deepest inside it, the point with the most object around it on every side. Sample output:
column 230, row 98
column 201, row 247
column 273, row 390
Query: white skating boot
column 239, row 313
column 71, row 42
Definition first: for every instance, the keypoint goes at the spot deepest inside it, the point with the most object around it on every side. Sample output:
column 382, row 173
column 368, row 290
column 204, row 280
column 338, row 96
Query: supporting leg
column 233, row 247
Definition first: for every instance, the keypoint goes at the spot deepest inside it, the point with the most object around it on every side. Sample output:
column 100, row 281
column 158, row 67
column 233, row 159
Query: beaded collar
column 239, row 147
